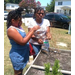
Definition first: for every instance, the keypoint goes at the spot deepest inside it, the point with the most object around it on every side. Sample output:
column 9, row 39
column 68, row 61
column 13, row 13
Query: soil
column 34, row 71
column 63, row 56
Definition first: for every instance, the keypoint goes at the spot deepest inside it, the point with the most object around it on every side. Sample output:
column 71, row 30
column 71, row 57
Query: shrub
column 55, row 68
column 47, row 69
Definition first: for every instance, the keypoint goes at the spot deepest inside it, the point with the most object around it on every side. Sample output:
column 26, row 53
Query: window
column 51, row 16
column 57, row 17
column 57, row 11
column 12, row 6
column 59, row 3
column 65, row 12
column 60, row 11
column 69, row 12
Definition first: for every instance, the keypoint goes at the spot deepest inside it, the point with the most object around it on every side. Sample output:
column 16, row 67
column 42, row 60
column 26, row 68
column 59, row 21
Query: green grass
column 58, row 35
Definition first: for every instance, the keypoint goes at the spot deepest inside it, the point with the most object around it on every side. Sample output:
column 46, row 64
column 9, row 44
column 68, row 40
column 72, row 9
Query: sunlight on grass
column 60, row 35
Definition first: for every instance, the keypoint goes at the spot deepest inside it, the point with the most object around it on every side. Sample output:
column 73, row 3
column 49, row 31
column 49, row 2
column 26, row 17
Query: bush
column 47, row 69
column 55, row 68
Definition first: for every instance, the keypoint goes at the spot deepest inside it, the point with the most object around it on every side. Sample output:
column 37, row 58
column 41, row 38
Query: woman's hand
column 48, row 36
column 36, row 27
column 40, row 41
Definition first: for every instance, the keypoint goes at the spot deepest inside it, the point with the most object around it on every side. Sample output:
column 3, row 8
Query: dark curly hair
column 14, row 14
column 38, row 9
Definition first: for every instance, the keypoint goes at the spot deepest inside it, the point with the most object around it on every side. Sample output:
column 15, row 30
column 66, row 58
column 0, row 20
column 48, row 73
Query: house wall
column 68, row 2
column 64, row 8
column 11, row 6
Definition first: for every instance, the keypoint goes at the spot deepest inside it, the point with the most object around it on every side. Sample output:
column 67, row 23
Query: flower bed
column 64, row 57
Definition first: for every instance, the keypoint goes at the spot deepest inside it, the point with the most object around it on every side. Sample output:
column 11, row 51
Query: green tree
column 17, row 1
column 13, row 1
column 27, row 4
column 5, row 1
column 50, row 7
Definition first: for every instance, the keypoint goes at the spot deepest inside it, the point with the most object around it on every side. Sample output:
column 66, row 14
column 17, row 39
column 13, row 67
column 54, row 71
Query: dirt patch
column 34, row 71
column 63, row 56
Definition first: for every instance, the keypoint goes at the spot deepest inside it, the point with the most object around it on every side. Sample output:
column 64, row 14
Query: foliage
column 55, row 68
column 38, row 3
column 47, row 69
column 69, row 17
column 5, row 1
column 28, row 4
column 50, row 7
column 12, row 1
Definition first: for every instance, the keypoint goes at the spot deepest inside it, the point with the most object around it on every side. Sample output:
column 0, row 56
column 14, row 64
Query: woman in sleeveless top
column 19, row 53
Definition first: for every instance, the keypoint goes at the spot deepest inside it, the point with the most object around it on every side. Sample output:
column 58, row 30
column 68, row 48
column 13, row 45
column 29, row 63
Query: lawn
column 58, row 35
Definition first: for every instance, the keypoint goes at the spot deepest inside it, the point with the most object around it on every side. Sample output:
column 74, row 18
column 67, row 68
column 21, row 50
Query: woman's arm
column 33, row 36
column 13, row 34
column 48, row 34
column 40, row 41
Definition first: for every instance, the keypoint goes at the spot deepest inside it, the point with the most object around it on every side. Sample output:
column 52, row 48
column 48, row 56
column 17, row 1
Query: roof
column 66, row 7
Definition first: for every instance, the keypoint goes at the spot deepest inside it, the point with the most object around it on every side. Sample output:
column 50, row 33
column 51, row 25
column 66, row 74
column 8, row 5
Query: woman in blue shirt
column 19, row 53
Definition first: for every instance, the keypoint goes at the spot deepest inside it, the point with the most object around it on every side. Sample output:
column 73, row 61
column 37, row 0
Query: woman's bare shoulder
column 11, row 29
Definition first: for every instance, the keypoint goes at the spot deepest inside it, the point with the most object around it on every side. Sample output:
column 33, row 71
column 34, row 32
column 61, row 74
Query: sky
column 44, row 2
